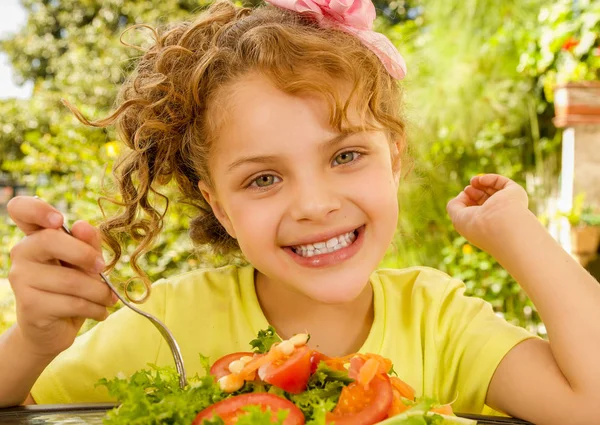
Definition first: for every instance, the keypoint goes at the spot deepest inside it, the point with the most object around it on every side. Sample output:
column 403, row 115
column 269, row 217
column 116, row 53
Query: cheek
column 379, row 200
column 254, row 222
column 378, row 187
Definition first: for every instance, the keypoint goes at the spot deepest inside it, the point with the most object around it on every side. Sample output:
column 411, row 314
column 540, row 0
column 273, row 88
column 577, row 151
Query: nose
column 314, row 200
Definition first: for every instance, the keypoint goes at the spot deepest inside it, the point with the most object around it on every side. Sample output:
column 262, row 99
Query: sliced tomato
column 220, row 368
column 360, row 405
column 232, row 408
column 316, row 358
column 289, row 373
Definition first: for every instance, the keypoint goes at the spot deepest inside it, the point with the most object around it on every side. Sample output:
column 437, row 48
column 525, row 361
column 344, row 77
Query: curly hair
column 166, row 117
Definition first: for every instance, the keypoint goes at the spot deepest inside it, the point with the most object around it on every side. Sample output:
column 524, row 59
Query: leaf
column 265, row 339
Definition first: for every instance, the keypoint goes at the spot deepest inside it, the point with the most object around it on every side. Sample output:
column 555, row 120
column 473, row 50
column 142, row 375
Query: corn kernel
column 299, row 340
column 246, row 359
column 231, row 383
column 286, row 347
column 236, row 366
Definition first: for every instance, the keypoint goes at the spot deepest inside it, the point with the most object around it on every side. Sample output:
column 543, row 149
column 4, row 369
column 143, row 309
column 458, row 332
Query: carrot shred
column 403, row 388
column 367, row 372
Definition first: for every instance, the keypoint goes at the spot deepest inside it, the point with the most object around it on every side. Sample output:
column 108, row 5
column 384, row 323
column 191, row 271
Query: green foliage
column 565, row 45
column 582, row 214
column 471, row 111
column 265, row 339
column 71, row 50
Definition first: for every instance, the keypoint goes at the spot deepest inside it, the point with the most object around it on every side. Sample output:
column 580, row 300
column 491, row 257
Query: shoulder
column 424, row 288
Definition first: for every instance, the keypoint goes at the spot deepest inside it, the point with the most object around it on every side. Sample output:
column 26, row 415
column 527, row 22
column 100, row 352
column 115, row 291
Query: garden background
column 478, row 99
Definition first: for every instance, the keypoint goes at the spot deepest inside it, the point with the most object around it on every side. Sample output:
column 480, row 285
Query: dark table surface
column 78, row 414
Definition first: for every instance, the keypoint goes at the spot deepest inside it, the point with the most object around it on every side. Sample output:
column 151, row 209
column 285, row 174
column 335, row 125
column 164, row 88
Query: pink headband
column 355, row 17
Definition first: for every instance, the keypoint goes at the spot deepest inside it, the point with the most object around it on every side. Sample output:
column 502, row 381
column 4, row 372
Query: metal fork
column 165, row 332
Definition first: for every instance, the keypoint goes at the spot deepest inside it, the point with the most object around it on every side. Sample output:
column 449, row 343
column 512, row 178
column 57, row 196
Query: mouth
column 329, row 246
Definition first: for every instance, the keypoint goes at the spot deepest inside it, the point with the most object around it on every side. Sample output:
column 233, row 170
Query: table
column 92, row 414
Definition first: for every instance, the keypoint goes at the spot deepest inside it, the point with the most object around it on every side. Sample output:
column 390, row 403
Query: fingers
column 478, row 196
column 51, row 244
column 490, row 183
column 65, row 281
column 87, row 233
column 58, row 306
column 31, row 214
column 459, row 203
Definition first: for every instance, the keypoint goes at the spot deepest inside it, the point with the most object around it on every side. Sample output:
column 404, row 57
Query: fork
column 165, row 332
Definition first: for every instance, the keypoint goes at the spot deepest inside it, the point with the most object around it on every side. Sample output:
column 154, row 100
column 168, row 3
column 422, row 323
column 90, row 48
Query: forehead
column 254, row 109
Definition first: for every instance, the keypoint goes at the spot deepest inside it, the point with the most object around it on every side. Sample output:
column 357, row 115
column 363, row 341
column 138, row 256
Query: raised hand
column 55, row 277
column 485, row 207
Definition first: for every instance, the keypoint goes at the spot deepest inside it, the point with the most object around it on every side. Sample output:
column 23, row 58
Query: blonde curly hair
column 166, row 107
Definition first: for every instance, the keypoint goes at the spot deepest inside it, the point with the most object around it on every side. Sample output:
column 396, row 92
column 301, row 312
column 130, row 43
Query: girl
column 282, row 126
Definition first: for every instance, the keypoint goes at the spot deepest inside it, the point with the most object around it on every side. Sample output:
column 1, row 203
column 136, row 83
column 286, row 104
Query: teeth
column 332, row 242
column 331, row 245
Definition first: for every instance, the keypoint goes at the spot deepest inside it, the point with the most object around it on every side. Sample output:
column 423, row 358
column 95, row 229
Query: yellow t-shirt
column 442, row 343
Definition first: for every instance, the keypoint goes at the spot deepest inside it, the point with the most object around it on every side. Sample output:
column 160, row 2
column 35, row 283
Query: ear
column 395, row 151
column 211, row 197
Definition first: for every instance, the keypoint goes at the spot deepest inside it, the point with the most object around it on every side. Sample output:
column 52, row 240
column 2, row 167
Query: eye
column 265, row 180
column 345, row 158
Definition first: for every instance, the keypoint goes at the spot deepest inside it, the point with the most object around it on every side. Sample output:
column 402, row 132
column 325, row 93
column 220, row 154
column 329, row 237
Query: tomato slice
column 363, row 406
column 335, row 363
column 220, row 368
column 290, row 374
column 315, row 359
column 231, row 409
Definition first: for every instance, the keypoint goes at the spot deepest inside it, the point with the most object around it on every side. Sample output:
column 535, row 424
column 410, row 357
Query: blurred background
column 505, row 87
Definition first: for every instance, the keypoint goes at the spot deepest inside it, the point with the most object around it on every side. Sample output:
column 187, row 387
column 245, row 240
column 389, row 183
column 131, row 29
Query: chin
column 343, row 292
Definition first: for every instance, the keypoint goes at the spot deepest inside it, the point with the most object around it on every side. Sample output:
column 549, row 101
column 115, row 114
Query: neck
column 335, row 329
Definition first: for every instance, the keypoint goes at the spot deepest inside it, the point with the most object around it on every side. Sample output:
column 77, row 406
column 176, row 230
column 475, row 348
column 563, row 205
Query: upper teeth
column 333, row 244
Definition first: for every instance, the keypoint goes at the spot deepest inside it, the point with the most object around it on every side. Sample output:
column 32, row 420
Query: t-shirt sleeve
column 122, row 344
column 471, row 342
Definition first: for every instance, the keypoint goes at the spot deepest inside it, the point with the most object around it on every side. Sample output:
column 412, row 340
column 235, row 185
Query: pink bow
column 355, row 17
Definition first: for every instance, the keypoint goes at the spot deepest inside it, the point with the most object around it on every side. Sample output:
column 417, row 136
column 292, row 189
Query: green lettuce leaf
column 256, row 416
column 322, row 393
column 325, row 373
column 264, row 340
column 152, row 396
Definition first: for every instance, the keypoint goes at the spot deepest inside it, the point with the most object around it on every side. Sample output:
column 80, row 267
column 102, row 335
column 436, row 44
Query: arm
column 546, row 382
column 19, row 369
column 567, row 368
column 56, row 285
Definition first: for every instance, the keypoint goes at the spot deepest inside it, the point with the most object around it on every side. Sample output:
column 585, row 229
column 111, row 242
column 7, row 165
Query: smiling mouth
column 325, row 247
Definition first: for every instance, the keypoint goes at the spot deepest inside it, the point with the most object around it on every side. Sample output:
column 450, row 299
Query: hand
column 486, row 207
column 53, row 299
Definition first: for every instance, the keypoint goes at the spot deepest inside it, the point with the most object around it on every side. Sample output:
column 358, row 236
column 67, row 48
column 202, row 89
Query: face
column 310, row 208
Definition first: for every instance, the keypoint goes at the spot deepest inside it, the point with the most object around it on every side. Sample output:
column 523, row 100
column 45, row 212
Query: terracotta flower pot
column 584, row 243
column 585, row 239
column 577, row 103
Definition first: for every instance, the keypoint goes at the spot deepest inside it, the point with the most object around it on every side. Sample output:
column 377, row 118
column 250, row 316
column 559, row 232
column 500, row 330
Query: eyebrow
column 264, row 159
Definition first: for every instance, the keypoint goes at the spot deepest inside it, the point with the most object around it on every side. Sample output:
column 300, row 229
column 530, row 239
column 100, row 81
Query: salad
column 279, row 382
